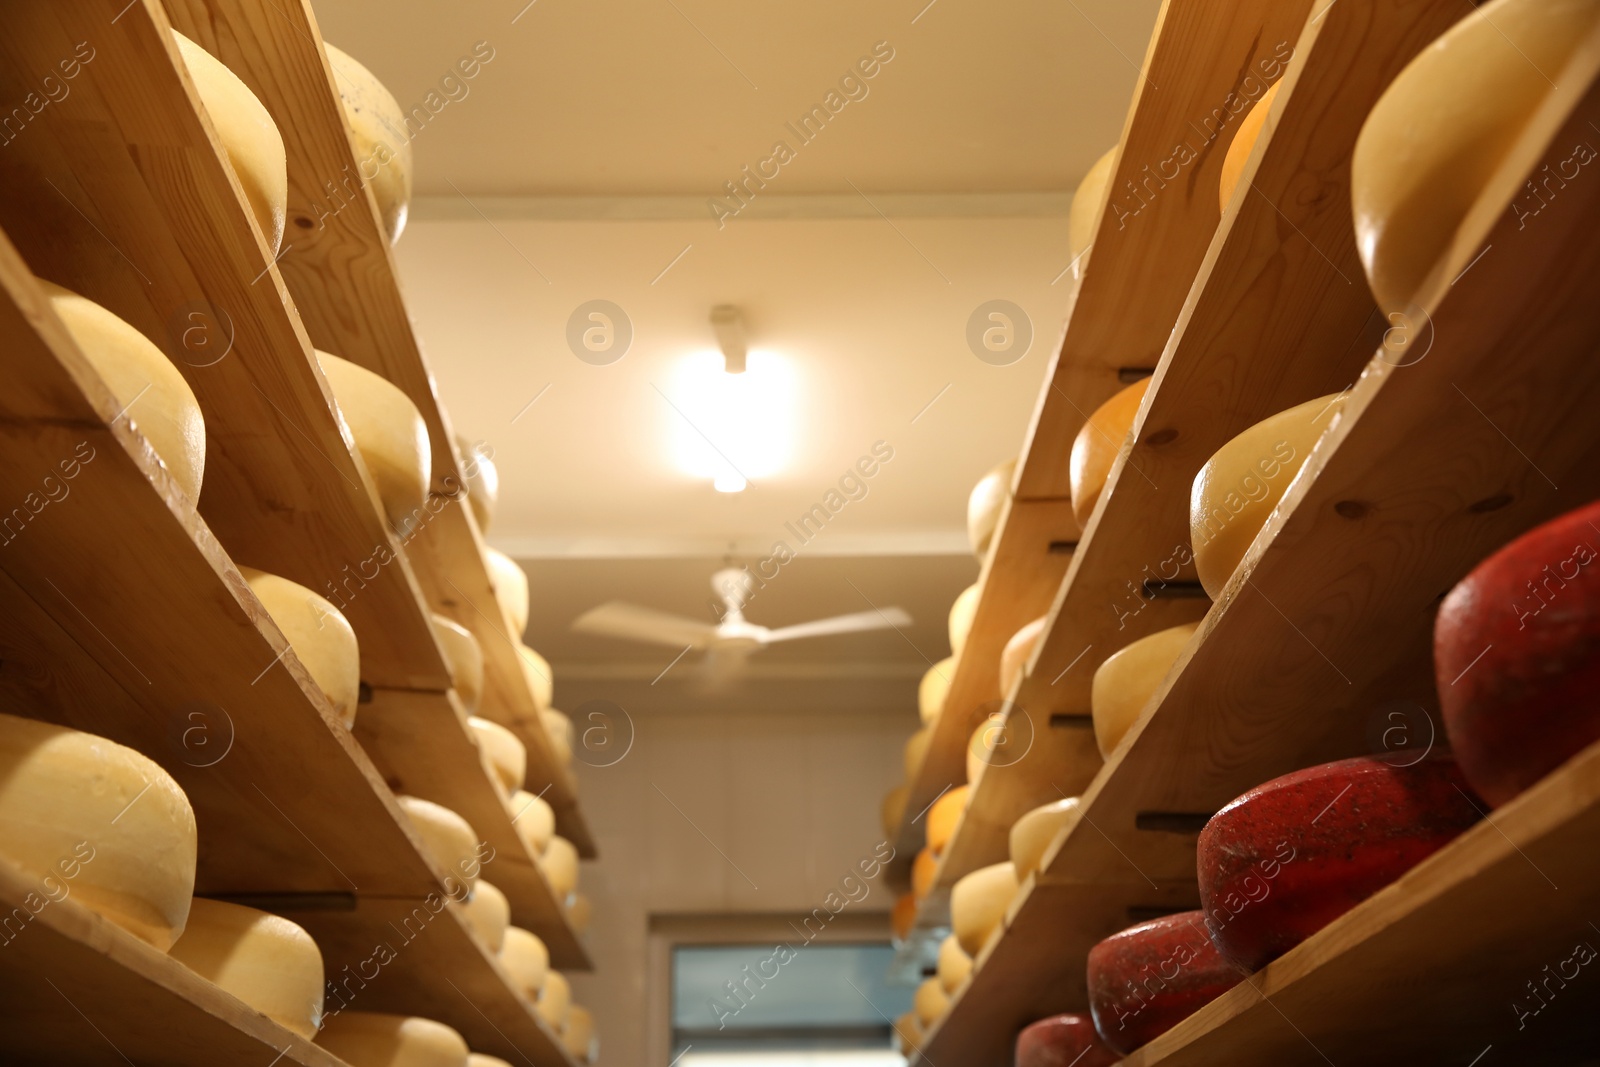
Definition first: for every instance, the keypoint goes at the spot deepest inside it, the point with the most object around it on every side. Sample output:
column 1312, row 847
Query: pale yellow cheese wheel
column 903, row 916
column 980, row 748
column 447, row 838
column 143, row 381
column 526, row 960
column 1014, row 657
column 99, row 823
column 1235, row 492
column 389, row 433
column 924, row 870
column 373, row 1039
column 555, row 997
column 978, row 904
column 1033, row 833
column 502, row 751
column 908, row 1033
column 1126, row 681
column 1244, row 140
column 578, row 1036
column 1097, row 445
column 1446, row 122
column 510, row 584
column 893, row 809
column 984, row 505
column 320, row 635
column 558, row 728
column 379, row 136
column 954, row 964
column 930, row 1002
column 579, row 912
column 265, row 960
column 464, row 657
column 248, row 135
column 934, row 688
column 482, row 482
column 536, row 672
column 1086, row 203
column 961, row 616
column 534, row 819
column 916, row 749
column 945, row 814
column 559, row 862
column 483, row 1059
column 488, row 912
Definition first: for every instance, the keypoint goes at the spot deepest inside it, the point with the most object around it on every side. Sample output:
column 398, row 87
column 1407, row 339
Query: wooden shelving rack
column 124, row 612
column 1468, row 426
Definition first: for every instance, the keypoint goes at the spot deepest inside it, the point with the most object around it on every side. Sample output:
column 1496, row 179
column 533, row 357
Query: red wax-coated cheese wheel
column 1151, row 977
column 1289, row 857
column 1516, row 650
column 1063, row 1041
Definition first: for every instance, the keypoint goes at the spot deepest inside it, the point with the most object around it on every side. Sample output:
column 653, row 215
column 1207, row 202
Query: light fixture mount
column 728, row 322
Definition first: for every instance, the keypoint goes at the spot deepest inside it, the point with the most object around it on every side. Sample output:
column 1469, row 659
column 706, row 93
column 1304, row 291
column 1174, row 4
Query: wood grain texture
column 121, row 192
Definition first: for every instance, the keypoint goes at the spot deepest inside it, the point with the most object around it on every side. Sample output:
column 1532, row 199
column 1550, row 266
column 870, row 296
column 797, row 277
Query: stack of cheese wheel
column 559, row 864
column 265, row 960
column 908, row 1034
column 482, row 480
column 536, row 672
column 1439, row 132
column 248, row 135
column 464, row 657
column 320, row 635
column 923, row 871
column 984, row 505
column 510, row 584
column 1086, row 203
column 483, row 1059
column 934, row 688
column 503, row 753
column 579, row 912
column 1097, row 445
column 578, row 1036
column 68, row 812
column 930, row 1002
column 1126, row 681
column 526, row 960
column 488, row 912
column 1014, row 657
column 1236, row 491
column 143, row 382
column 558, row 728
column 944, row 815
column 1244, row 141
column 447, row 838
column 555, row 999
column 534, row 819
column 954, row 964
column 379, row 136
column 373, row 1039
column 978, row 904
column 962, row 612
column 1032, row 834
column 390, row 435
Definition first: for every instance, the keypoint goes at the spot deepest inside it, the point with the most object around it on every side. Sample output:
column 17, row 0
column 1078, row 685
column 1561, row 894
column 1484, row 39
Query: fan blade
column 861, row 621
column 630, row 621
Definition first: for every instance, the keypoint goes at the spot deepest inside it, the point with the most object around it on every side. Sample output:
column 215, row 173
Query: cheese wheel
column 503, row 753
column 447, row 838
column 1126, row 681
column 555, row 997
column 265, row 960
column 372, row 1039
column 903, row 916
column 984, row 505
column 924, row 870
column 510, row 584
column 248, row 135
column 559, row 862
column 954, row 964
column 488, row 912
column 944, row 815
column 482, row 482
column 526, row 960
column 579, row 912
column 320, row 635
column 536, row 672
column 1097, row 445
column 534, row 819
column 464, row 658
column 934, row 688
column 389, row 433
column 908, row 1034
column 1086, row 203
column 930, row 1002
column 1442, row 128
column 978, row 904
column 558, row 728
column 578, row 1036
column 916, row 749
column 1032, row 834
column 1235, row 492
column 379, row 136
column 1018, row 651
column 100, row 822
column 142, row 380
column 893, row 809
column 483, row 1059
column 1244, row 141
column 961, row 616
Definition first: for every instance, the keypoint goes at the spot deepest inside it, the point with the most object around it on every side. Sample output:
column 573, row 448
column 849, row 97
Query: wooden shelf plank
column 421, row 744
column 126, row 197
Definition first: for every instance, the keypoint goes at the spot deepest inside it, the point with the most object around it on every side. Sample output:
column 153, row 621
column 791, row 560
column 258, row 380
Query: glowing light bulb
column 733, row 428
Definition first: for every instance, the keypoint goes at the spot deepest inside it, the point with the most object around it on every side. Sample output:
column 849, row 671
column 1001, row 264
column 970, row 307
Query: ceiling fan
column 730, row 642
